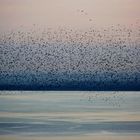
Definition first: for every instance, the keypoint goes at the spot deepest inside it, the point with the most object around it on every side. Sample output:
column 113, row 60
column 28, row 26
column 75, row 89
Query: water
column 44, row 113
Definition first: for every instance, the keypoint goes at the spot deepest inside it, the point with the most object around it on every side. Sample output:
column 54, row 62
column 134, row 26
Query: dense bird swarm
column 63, row 58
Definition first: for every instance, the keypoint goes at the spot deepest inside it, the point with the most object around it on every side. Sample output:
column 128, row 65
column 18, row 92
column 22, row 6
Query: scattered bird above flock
column 84, row 13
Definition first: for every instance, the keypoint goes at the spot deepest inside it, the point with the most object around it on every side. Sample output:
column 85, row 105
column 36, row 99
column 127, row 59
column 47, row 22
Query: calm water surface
column 44, row 113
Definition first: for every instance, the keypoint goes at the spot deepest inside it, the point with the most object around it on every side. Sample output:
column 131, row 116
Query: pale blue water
column 69, row 113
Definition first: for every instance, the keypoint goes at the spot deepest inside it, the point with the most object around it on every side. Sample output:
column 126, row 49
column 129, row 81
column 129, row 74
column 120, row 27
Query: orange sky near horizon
column 71, row 13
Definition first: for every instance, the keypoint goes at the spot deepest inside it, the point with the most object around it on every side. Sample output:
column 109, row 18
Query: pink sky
column 14, row 13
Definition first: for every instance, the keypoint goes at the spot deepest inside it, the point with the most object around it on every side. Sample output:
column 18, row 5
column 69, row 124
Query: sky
column 71, row 13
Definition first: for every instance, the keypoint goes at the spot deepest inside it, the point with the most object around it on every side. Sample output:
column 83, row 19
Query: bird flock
column 71, row 58
column 113, row 99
